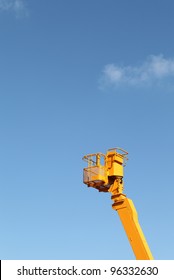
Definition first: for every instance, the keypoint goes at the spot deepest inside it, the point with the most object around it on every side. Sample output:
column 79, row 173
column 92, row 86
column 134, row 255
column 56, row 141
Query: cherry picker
column 105, row 173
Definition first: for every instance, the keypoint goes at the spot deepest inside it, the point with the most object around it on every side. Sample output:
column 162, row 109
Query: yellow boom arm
column 129, row 218
column 105, row 173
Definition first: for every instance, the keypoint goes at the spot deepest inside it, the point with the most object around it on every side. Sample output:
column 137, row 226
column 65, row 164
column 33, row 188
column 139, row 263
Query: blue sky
column 79, row 77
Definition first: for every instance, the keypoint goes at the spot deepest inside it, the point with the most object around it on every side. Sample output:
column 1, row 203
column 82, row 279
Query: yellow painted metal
column 105, row 173
column 95, row 174
column 114, row 163
column 129, row 218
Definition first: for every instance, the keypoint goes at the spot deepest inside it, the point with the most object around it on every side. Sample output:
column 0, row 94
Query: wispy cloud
column 154, row 68
column 18, row 7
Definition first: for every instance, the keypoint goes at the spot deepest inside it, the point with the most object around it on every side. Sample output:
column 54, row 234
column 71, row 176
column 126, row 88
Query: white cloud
column 16, row 6
column 155, row 68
